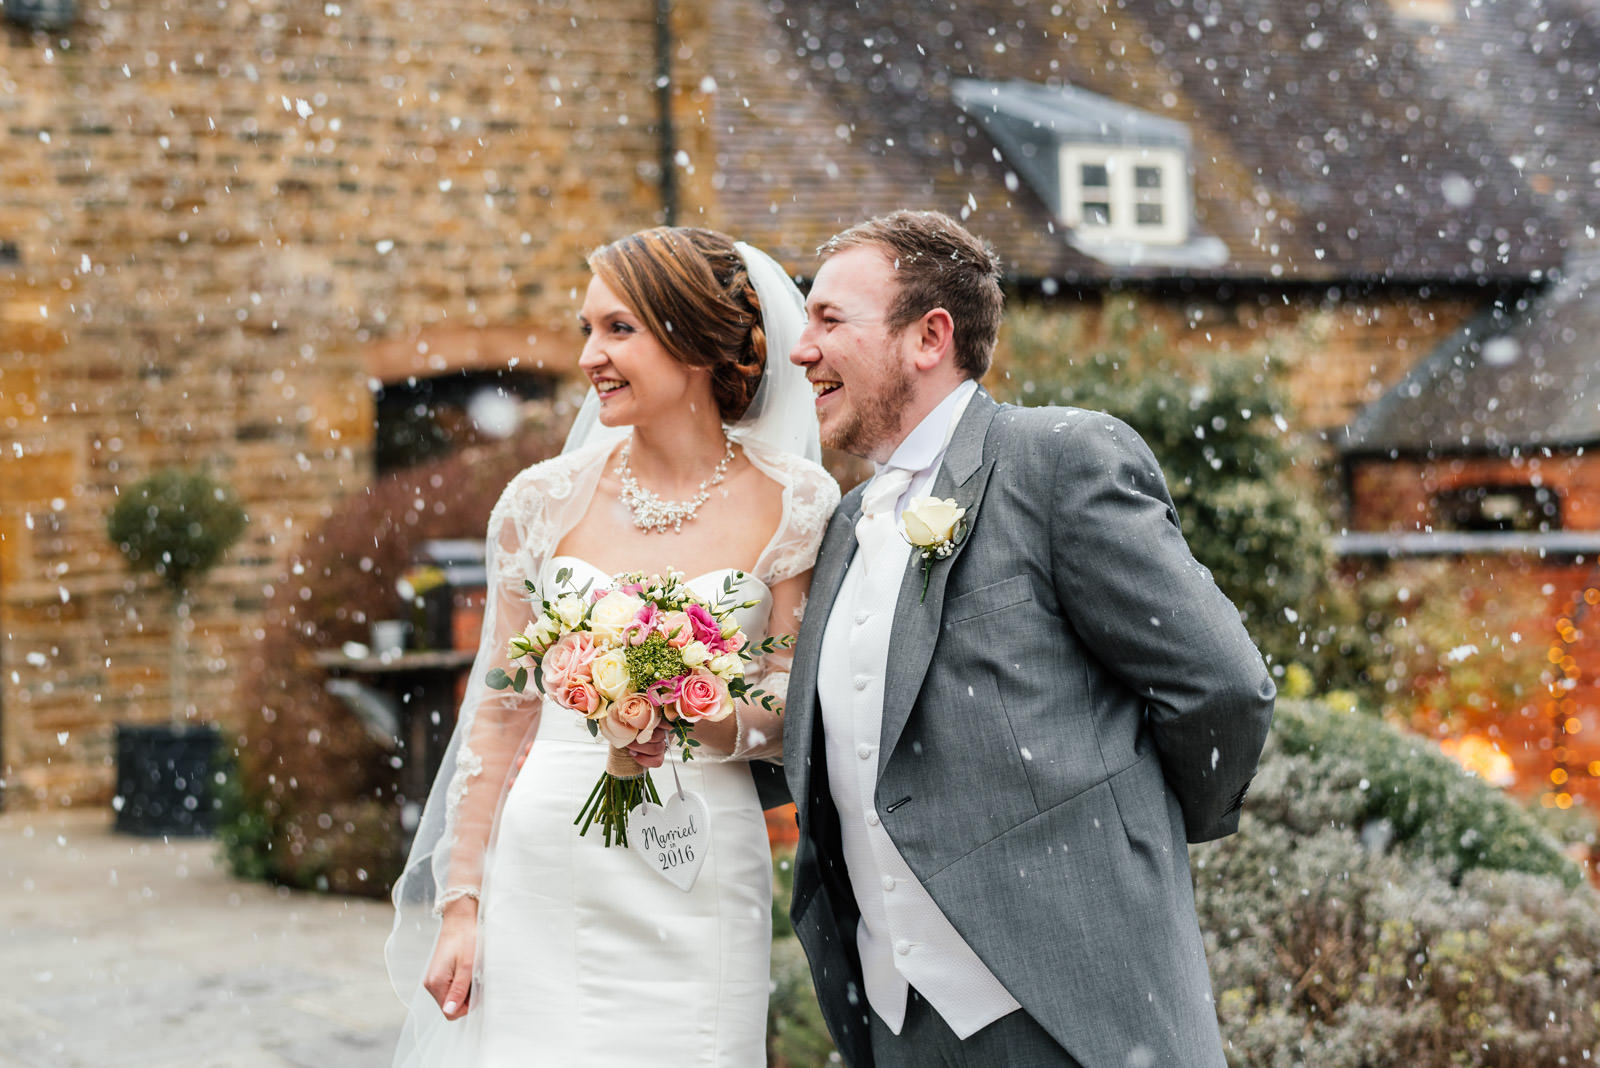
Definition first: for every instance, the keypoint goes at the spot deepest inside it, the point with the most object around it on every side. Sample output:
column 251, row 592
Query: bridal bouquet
column 642, row 652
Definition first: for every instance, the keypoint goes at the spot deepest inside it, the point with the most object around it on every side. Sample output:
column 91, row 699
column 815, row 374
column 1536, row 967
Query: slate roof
column 1527, row 376
column 1331, row 141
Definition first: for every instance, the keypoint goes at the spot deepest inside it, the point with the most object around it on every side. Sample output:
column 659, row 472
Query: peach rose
column 630, row 720
column 581, row 696
column 567, row 659
column 703, row 696
column 675, row 627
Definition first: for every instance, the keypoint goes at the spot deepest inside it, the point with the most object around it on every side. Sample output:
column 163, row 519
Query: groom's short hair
column 939, row 264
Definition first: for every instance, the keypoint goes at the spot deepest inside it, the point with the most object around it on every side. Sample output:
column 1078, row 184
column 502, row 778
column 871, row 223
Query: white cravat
column 877, row 527
column 903, row 938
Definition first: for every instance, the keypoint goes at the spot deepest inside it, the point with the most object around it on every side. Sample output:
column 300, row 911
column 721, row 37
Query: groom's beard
column 873, row 418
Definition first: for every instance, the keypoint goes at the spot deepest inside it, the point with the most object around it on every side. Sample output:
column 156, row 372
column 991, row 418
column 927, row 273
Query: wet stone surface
column 124, row 951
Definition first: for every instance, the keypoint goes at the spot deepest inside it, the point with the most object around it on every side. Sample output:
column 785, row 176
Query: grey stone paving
column 122, row 952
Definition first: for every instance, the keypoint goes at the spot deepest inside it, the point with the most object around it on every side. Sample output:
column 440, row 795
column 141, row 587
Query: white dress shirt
column 903, row 938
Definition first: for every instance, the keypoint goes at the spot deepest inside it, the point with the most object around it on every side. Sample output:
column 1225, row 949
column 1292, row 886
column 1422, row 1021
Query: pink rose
column 643, row 623
column 703, row 696
column 565, row 660
column 705, row 626
column 676, row 628
column 630, row 720
column 580, row 696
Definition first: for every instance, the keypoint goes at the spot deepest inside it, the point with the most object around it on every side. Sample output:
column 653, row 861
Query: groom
column 1000, row 742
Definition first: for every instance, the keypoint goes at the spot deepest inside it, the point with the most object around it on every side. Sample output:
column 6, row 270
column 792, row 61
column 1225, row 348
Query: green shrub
column 1243, row 484
column 797, row 1037
column 1365, row 771
column 244, row 832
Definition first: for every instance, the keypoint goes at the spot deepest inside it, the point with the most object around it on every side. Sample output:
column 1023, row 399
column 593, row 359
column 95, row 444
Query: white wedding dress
column 586, row 957
column 589, row 957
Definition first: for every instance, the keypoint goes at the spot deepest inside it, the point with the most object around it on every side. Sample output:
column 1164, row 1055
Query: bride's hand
column 449, row 975
column 652, row 752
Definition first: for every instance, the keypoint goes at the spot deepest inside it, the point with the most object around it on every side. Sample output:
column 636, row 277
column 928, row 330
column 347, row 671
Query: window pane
column 1094, row 174
column 1147, row 177
column 1096, row 214
column 1148, row 214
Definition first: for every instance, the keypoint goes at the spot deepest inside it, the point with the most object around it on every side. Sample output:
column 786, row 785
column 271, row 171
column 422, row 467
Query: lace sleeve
column 810, row 495
column 809, row 498
column 501, row 720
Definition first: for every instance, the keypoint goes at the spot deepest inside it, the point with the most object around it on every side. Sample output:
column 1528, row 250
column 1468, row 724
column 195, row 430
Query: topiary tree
column 177, row 524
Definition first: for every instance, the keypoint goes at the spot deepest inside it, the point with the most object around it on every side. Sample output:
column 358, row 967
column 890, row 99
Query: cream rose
column 611, row 614
column 726, row 666
column 569, row 609
column 630, row 720
column 542, row 633
column 930, row 521
column 609, row 673
column 694, row 654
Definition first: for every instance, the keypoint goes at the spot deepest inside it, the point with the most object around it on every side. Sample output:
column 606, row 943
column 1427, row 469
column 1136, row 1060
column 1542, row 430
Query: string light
column 1560, row 706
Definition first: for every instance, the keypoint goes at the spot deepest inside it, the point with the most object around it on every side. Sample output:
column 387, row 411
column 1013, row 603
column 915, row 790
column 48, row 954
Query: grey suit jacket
column 1072, row 702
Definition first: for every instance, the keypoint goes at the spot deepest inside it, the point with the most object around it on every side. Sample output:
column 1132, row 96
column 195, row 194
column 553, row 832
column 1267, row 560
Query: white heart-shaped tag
column 672, row 838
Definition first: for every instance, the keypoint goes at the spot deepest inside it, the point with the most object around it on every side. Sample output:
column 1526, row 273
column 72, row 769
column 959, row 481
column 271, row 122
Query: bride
column 516, row 941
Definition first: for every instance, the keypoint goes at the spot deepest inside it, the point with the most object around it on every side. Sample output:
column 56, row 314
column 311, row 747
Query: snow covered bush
column 1379, row 907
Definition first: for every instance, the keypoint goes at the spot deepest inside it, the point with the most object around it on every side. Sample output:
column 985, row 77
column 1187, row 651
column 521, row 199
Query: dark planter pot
column 42, row 14
column 164, row 778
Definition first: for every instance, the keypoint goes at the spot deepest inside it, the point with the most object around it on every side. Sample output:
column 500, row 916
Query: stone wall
column 231, row 218
column 228, row 217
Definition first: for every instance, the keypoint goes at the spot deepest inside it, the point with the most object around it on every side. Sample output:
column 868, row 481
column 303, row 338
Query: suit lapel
column 963, row 476
column 827, row 575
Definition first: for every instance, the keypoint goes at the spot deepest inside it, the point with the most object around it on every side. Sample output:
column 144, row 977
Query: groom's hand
column 651, row 752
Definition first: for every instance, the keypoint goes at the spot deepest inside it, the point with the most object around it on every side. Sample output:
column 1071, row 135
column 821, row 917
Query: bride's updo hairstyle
column 692, row 292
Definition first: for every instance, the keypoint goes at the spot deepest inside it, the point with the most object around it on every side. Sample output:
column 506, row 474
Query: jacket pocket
column 996, row 597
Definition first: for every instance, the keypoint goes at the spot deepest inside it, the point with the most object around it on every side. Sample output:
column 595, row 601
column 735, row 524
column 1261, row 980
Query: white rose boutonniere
column 933, row 527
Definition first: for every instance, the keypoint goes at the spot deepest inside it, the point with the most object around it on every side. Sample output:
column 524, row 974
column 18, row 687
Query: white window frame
column 1123, row 195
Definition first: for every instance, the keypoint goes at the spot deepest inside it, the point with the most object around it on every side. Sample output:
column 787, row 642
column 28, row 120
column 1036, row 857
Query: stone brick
column 37, row 477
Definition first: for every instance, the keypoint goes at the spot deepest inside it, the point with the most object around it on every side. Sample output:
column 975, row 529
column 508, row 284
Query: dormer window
column 1125, row 194
column 1116, row 177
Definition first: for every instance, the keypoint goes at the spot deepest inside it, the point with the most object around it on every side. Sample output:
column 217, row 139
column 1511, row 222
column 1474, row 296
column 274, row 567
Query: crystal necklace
column 653, row 515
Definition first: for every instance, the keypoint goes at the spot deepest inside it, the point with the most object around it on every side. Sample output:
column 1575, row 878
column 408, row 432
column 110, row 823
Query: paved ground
column 122, row 952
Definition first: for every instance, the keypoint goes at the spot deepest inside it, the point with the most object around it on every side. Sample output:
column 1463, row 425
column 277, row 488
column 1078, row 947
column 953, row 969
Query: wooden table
column 423, row 686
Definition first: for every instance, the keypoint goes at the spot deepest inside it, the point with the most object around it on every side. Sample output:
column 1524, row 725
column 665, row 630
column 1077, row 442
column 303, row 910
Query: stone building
column 226, row 227
column 1485, row 456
